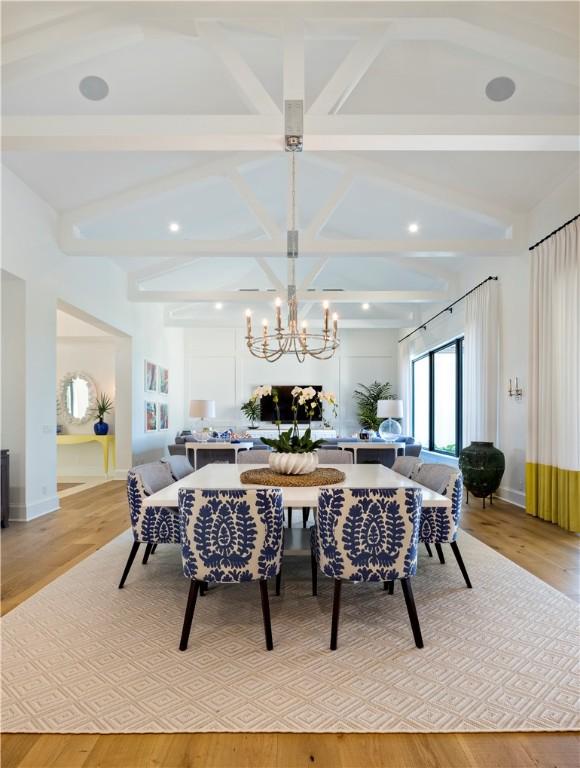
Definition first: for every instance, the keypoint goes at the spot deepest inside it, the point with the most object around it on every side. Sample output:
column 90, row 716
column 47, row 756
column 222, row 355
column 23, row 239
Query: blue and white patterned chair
column 151, row 525
column 440, row 525
column 367, row 534
column 230, row 536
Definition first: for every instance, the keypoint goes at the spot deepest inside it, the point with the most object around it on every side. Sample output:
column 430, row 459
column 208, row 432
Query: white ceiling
column 435, row 60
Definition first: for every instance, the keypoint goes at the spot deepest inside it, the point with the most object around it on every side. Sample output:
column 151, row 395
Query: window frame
column 457, row 343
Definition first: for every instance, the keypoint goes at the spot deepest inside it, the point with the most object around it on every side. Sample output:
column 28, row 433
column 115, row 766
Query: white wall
column 219, row 367
column 97, row 287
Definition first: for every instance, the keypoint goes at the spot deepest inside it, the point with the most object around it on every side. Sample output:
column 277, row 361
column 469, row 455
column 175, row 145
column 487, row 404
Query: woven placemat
column 265, row 476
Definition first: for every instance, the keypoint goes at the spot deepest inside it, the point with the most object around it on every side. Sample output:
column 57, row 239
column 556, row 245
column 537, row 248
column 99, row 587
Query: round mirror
column 78, row 397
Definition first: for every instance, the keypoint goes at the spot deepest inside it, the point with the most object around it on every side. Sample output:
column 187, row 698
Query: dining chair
column 230, row 536
column 406, row 465
column 440, row 525
column 367, row 534
column 151, row 525
column 180, row 466
column 328, row 456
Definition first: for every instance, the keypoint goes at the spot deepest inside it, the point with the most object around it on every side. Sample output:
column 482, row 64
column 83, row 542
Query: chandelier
column 295, row 339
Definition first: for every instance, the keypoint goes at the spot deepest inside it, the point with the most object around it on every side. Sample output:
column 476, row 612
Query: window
column 437, row 398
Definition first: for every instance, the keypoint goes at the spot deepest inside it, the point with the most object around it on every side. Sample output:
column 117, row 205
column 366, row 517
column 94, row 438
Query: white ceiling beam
column 326, row 133
column 252, row 90
column 262, row 216
column 308, row 248
column 270, row 274
column 350, row 72
column 325, row 212
column 267, row 297
column 293, row 60
column 313, row 274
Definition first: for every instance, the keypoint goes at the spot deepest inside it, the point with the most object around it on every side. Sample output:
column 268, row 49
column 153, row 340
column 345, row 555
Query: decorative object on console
column 150, row 377
column 482, row 466
column 390, row 410
column 515, row 391
column 366, row 399
column 293, row 340
column 103, row 406
column 202, row 409
column 252, row 411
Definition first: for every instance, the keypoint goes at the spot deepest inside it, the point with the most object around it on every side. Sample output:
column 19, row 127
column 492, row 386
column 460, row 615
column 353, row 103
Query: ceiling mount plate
column 294, row 125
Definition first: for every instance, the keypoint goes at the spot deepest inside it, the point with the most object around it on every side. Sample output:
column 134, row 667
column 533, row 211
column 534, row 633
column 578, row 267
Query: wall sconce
column 515, row 390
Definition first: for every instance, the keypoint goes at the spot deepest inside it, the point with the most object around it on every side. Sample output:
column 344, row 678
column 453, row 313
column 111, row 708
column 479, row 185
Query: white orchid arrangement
column 328, row 398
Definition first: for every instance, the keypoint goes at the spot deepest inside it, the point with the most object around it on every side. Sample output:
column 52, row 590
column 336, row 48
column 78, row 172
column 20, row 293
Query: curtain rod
column 423, row 326
column 531, row 248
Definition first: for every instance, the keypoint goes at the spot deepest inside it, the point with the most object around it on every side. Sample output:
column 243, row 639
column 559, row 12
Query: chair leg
column 305, row 516
column 439, row 549
column 266, row 614
column 335, row 615
column 148, row 549
column 188, row 618
column 389, row 586
column 154, row 548
column 460, row 563
column 203, row 588
column 278, row 582
column 428, row 548
column 132, row 554
column 314, row 568
column 289, row 517
column 412, row 611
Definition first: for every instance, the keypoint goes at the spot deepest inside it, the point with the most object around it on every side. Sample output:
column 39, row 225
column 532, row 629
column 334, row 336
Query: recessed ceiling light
column 413, row 227
column 94, row 88
column 500, row 89
column 366, row 305
column 218, row 305
column 174, row 226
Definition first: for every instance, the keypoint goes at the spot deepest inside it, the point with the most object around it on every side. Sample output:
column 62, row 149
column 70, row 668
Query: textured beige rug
column 83, row 657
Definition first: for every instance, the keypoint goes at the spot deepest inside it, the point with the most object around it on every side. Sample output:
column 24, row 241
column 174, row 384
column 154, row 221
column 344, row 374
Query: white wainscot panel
column 214, row 378
column 361, row 370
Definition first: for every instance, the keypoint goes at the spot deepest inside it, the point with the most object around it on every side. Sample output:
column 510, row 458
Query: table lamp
column 202, row 409
column 390, row 410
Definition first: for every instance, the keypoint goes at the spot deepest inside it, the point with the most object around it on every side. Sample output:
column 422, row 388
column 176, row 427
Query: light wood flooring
column 89, row 519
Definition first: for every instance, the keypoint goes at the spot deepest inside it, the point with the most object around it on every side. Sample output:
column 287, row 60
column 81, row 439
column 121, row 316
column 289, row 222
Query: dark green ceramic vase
column 482, row 466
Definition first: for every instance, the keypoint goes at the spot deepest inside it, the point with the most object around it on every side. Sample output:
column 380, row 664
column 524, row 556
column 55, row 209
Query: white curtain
column 405, row 384
column 553, row 454
column 481, row 364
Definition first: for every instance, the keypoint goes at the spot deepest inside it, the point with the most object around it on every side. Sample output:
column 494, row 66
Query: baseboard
column 23, row 513
column 518, row 498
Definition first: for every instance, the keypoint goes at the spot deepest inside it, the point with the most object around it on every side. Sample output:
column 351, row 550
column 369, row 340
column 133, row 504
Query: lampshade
column 202, row 409
column 390, row 409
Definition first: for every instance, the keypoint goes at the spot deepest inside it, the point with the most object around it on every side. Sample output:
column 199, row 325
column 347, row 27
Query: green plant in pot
column 252, row 410
column 103, row 406
column 366, row 399
column 293, row 454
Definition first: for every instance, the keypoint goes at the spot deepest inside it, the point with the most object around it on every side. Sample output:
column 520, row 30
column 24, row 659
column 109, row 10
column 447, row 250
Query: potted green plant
column 293, row 454
column 366, row 399
column 252, row 411
column 103, row 405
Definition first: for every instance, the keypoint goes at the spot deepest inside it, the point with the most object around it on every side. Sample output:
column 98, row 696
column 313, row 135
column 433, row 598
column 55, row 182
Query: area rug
column 82, row 656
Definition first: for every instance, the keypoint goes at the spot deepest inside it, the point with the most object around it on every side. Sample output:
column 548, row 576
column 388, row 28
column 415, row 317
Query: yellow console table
column 107, row 443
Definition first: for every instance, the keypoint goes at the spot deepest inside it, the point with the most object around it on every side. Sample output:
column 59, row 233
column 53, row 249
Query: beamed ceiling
column 397, row 129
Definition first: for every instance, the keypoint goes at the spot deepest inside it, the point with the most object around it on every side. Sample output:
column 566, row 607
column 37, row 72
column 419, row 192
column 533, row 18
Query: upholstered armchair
column 151, row 525
column 367, row 534
column 230, row 536
column 406, row 465
column 440, row 525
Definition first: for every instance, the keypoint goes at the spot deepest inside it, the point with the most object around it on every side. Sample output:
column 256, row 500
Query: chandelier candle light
column 294, row 339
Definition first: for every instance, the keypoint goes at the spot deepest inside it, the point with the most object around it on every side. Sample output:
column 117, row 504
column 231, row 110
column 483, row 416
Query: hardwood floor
column 89, row 519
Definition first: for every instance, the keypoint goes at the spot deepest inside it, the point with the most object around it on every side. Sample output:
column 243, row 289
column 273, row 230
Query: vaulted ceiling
column 398, row 129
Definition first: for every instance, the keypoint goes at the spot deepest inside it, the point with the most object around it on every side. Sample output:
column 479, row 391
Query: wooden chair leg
column 188, row 618
column 289, row 517
column 154, row 548
column 203, row 588
column 305, row 516
column 460, row 563
column 412, row 611
column 266, row 614
column 314, row 568
column 439, row 549
column 428, row 548
column 335, row 615
column 132, row 554
column 278, row 582
column 389, row 586
column 148, row 549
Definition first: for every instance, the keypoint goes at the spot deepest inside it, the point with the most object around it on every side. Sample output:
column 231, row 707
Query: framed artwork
column 150, row 377
column 150, row 416
column 163, row 378
column 163, row 416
